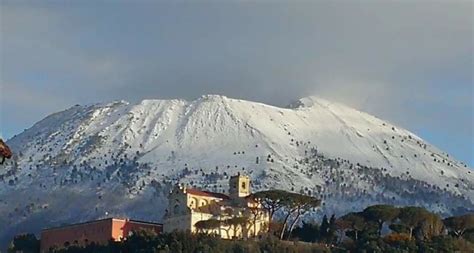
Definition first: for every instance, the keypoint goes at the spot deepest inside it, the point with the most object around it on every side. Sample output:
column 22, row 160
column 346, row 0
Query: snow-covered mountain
column 120, row 159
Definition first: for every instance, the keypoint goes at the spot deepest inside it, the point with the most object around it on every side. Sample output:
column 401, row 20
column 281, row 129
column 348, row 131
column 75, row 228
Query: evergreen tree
column 332, row 229
column 308, row 232
column 324, row 228
column 381, row 214
column 26, row 243
column 458, row 225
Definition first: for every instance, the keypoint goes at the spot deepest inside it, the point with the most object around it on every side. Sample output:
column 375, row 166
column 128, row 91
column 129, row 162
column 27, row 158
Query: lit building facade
column 236, row 215
column 98, row 232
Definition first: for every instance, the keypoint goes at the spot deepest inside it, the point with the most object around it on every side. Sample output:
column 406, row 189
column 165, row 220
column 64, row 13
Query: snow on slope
column 121, row 158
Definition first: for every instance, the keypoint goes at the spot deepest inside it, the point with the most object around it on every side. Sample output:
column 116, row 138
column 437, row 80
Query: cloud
column 405, row 61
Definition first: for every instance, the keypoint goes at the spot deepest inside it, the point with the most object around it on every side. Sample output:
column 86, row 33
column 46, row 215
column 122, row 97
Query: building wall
column 123, row 228
column 239, row 186
column 99, row 232
column 195, row 201
column 179, row 214
column 258, row 226
column 255, row 226
column 196, row 217
column 185, row 209
column 177, row 203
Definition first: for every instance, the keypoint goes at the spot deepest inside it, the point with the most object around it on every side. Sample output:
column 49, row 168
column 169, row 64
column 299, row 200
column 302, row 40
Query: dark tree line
column 379, row 228
column 386, row 228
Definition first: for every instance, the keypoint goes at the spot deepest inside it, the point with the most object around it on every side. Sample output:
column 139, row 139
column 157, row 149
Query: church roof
column 197, row 192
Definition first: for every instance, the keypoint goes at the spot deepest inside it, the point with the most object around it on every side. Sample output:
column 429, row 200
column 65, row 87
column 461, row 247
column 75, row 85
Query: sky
column 408, row 62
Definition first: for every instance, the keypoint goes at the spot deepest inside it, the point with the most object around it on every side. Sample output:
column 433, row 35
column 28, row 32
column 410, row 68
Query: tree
column 412, row 217
column 308, row 232
column 26, row 243
column 298, row 205
column 292, row 204
column 139, row 240
column 332, row 229
column 396, row 238
column 448, row 244
column 431, row 226
column 355, row 222
column 204, row 226
column 458, row 225
column 399, row 228
column 381, row 214
column 236, row 222
column 399, row 241
column 271, row 200
column 324, row 228
column 256, row 212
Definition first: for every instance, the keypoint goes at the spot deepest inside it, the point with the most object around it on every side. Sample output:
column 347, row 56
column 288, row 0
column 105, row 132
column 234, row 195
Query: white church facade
column 236, row 215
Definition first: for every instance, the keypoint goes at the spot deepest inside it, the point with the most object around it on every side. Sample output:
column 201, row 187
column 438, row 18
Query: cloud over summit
column 409, row 62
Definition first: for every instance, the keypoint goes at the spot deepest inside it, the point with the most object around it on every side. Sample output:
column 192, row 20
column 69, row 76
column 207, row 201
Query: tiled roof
column 194, row 191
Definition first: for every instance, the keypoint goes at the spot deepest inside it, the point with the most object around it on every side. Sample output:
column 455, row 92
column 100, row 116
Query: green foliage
column 271, row 200
column 308, row 232
column 354, row 224
column 177, row 242
column 327, row 231
column 400, row 241
column 458, row 226
column 413, row 229
column 293, row 205
column 207, row 224
column 412, row 217
column 469, row 235
column 447, row 244
column 399, row 228
column 431, row 226
column 381, row 214
column 26, row 243
column 236, row 221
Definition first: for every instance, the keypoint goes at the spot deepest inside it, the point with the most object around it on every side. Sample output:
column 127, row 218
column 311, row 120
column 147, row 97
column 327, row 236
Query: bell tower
column 239, row 186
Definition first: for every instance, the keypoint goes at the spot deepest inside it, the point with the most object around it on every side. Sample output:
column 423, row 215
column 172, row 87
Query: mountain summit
column 122, row 159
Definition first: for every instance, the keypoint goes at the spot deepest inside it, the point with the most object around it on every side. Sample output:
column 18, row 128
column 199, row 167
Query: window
column 243, row 185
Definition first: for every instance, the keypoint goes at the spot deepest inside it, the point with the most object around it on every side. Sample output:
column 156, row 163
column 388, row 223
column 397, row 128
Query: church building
column 236, row 215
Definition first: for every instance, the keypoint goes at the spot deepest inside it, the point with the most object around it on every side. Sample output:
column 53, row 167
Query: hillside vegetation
column 379, row 228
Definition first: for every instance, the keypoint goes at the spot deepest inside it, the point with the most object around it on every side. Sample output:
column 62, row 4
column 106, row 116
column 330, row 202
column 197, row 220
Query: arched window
column 194, row 203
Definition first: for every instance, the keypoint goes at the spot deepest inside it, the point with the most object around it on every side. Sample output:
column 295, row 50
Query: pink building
column 99, row 232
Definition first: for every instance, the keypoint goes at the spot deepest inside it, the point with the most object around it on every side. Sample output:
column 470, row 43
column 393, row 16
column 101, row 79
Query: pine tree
column 332, row 229
column 324, row 228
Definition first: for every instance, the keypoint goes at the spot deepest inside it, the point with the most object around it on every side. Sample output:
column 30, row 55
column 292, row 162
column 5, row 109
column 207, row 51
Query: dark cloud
column 406, row 61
